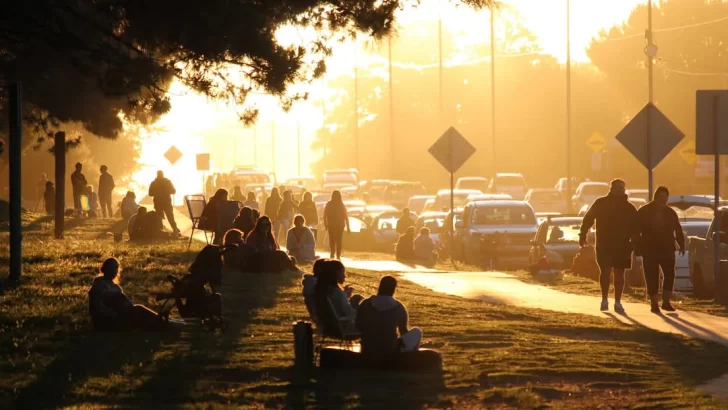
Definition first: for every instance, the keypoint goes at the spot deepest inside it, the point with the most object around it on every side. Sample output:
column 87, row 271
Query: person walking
column 251, row 202
column 78, row 184
column 273, row 203
column 40, row 188
column 162, row 189
column 335, row 221
column 49, row 197
column 286, row 212
column 307, row 208
column 106, row 187
column 405, row 222
column 660, row 229
column 617, row 231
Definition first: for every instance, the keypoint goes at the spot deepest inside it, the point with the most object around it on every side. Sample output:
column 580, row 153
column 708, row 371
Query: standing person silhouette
column 106, row 187
column 162, row 189
column 79, row 184
column 335, row 221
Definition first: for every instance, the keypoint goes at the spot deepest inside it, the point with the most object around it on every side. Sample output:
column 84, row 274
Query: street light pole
column 492, row 85
column 298, row 148
column 273, row 145
column 569, row 205
column 356, row 102
column 391, row 110
column 651, row 51
column 439, row 54
column 255, row 146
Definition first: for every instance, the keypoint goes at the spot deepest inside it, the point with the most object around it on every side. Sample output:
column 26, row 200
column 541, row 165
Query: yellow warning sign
column 687, row 151
column 596, row 142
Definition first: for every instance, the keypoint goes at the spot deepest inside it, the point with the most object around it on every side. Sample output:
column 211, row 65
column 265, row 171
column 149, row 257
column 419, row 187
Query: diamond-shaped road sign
column 707, row 124
column 452, row 150
column 687, row 151
column 665, row 136
column 173, row 155
column 596, row 142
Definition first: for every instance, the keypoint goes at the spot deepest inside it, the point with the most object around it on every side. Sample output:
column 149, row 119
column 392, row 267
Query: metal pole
column 255, row 146
column 323, row 111
column 298, row 148
column 356, row 103
column 273, row 146
column 391, row 112
column 569, row 205
column 439, row 56
column 716, row 235
column 492, row 85
column 59, row 151
column 650, row 182
column 235, row 152
column 15, row 157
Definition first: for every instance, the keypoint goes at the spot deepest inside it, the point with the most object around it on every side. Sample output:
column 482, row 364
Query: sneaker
column 667, row 306
column 605, row 305
column 618, row 307
column 655, row 308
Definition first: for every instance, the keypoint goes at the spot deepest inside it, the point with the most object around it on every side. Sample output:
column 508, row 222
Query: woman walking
column 335, row 221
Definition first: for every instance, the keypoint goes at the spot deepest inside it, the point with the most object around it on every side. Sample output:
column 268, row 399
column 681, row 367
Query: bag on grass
column 303, row 343
column 585, row 263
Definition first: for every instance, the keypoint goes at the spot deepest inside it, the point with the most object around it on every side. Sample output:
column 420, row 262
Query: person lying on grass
column 379, row 318
column 267, row 256
column 112, row 309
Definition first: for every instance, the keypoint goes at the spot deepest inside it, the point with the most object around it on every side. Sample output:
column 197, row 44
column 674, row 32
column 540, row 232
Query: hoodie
column 617, row 223
column 378, row 319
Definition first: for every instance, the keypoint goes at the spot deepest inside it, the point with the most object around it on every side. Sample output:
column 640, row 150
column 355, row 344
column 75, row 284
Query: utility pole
column 59, row 151
column 323, row 112
column 273, row 145
column 356, row 102
column 14, row 158
column 492, row 85
column 255, row 146
column 651, row 52
column 298, row 149
column 569, row 193
column 439, row 56
column 391, row 112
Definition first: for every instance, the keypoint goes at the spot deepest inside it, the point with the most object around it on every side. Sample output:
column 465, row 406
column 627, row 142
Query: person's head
column 425, row 231
column 411, row 231
column 160, row 174
column 251, row 196
column 274, row 193
column 336, row 196
column 43, row 177
column 405, row 212
column 142, row 211
column 233, row 237
column 110, row 269
column 308, row 197
column 617, row 186
column 104, row 168
column 79, row 166
column 299, row 221
column 387, row 286
column 661, row 196
column 318, row 266
column 89, row 189
column 287, row 194
column 237, row 190
column 338, row 269
column 49, row 185
column 221, row 194
column 263, row 226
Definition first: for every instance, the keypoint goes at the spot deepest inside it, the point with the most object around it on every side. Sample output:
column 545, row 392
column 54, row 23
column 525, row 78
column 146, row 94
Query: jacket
column 272, row 205
column 616, row 221
column 301, row 244
column 378, row 319
column 309, row 212
column 78, row 182
column 405, row 250
column 161, row 189
column 660, row 228
column 287, row 210
column 107, row 300
column 106, row 184
column 404, row 223
column 424, row 247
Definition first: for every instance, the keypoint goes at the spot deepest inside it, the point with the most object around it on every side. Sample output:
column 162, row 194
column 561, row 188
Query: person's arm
column 291, row 243
column 346, row 220
column 402, row 324
column 112, row 183
column 326, row 217
column 679, row 234
column 172, row 189
column 588, row 221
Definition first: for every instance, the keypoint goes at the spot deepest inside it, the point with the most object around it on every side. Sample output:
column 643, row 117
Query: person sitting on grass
column 245, row 221
column 405, row 248
column 308, row 285
column 235, row 251
column 300, row 241
column 380, row 318
column 208, row 219
column 425, row 248
column 135, row 227
column 129, row 205
column 112, row 309
column 329, row 295
column 153, row 227
column 266, row 255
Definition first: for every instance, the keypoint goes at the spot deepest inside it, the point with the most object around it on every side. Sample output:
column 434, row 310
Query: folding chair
column 195, row 205
column 329, row 327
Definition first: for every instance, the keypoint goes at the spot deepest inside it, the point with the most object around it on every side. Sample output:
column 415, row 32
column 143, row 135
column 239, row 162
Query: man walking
column 660, row 227
column 79, row 184
column 106, row 187
column 161, row 189
column 617, row 230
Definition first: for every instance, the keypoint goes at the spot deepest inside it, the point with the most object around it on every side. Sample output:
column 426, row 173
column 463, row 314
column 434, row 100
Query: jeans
column 336, row 237
column 652, row 265
column 105, row 202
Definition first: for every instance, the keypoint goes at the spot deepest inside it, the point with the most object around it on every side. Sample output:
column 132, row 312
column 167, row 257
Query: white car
column 341, row 177
column 489, row 197
column 639, row 193
column 442, row 201
column 546, row 201
column 511, row 184
column 417, row 203
column 479, row 183
column 588, row 192
column 511, row 224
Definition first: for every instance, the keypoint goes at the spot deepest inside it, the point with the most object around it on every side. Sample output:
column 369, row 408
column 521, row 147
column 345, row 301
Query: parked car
column 442, row 201
column 374, row 189
column 639, row 193
column 503, row 228
column 588, row 192
column 561, row 185
column 398, row 193
column 546, row 200
column 299, row 183
column 695, row 270
column 558, row 240
column 336, row 178
column 418, row 203
column 479, row 183
column 511, row 184
column 369, row 212
column 489, row 197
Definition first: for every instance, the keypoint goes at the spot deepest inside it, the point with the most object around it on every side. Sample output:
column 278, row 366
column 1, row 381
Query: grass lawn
column 494, row 356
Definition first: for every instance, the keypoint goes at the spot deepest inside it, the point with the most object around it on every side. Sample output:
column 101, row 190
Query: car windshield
column 695, row 212
column 546, row 196
column 387, row 224
column 595, row 190
column 700, row 230
column 509, row 181
column 506, row 215
column 479, row 184
column 563, row 233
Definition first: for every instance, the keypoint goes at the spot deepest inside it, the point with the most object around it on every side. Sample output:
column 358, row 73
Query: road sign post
column 452, row 150
column 650, row 136
column 710, row 106
column 15, row 154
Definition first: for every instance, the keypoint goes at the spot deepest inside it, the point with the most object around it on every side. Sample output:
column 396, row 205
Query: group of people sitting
column 419, row 250
column 380, row 320
column 146, row 226
column 253, row 233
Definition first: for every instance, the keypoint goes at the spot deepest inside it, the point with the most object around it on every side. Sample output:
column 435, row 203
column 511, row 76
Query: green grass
column 494, row 356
